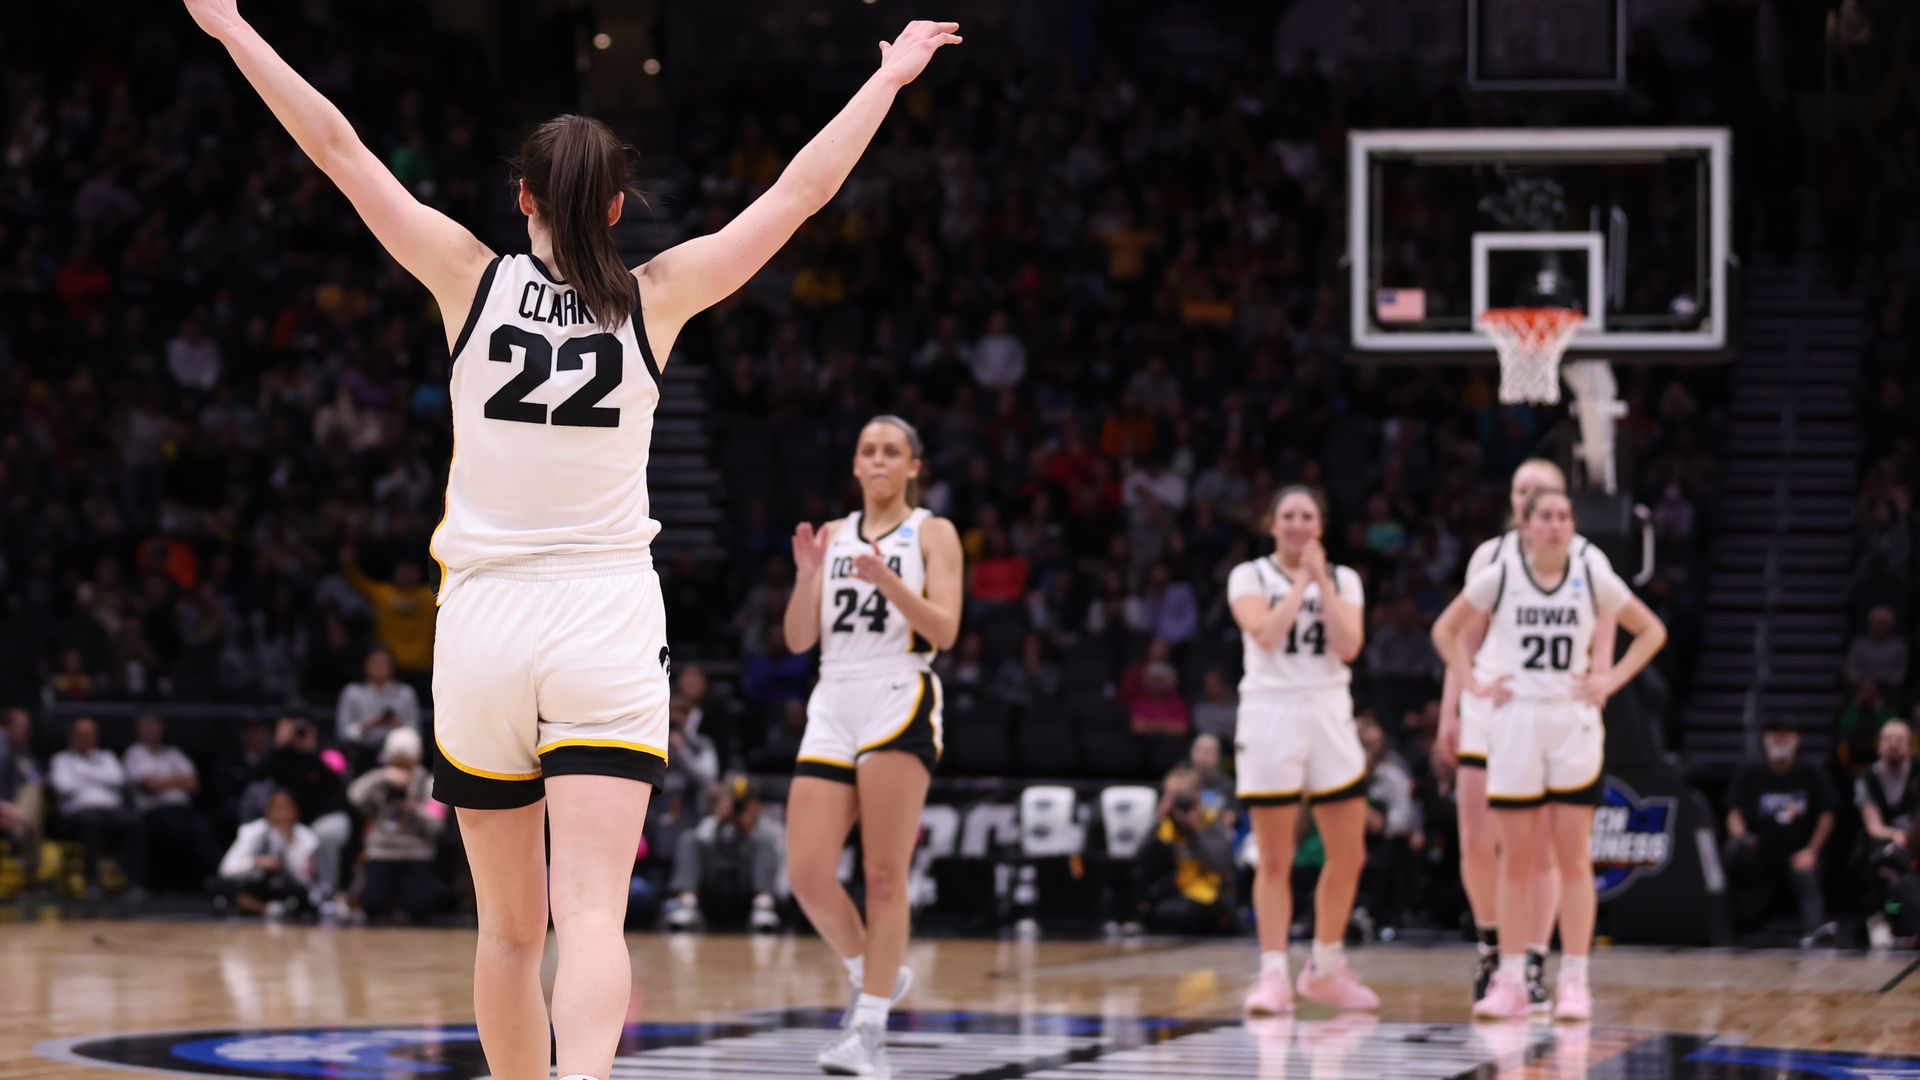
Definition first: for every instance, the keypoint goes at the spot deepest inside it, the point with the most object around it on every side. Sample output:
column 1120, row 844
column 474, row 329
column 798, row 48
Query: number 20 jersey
column 1540, row 638
column 552, row 420
column 861, row 635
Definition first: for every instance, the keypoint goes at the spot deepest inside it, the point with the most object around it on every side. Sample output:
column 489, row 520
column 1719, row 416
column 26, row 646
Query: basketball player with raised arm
column 880, row 590
column 550, row 660
column 1539, row 605
column 1462, row 747
column 1302, row 621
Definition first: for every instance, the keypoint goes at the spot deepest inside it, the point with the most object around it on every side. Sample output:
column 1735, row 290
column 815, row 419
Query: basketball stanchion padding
column 1530, row 341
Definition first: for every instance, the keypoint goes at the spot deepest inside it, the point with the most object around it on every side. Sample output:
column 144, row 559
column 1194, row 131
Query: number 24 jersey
column 860, row 633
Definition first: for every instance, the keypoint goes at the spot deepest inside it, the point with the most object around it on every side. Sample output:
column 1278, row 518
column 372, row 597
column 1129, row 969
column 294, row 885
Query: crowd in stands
column 1105, row 301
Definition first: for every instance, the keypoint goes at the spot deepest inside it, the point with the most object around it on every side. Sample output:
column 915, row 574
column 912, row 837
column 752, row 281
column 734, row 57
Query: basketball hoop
column 1530, row 342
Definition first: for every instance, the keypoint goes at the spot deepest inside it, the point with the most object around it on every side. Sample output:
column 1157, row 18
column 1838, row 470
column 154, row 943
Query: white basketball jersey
column 1304, row 661
column 1541, row 638
column 860, row 633
column 552, row 420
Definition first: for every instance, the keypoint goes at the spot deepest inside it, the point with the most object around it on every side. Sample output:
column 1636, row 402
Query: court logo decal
column 964, row 1045
column 1632, row 837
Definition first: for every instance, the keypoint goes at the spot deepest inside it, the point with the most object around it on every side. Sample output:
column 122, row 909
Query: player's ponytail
column 1557, row 480
column 574, row 166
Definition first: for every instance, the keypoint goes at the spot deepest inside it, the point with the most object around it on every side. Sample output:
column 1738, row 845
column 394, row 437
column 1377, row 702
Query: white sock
column 1273, row 963
column 856, row 968
column 1329, row 956
column 1514, row 967
column 1575, row 966
column 872, row 1009
column 578, row 1076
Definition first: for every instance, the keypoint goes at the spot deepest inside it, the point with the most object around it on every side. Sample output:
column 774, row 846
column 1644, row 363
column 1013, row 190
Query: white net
column 1530, row 342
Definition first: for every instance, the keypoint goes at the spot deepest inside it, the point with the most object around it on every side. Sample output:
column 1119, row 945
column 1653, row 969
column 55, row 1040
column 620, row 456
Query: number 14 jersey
column 860, row 633
column 1304, row 660
column 1541, row 638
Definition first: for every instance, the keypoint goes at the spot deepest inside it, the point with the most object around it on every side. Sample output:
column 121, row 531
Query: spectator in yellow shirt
column 403, row 611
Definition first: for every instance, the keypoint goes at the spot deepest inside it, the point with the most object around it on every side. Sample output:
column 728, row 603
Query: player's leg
column 1479, row 856
column 1571, row 829
column 1275, row 827
column 485, row 727
column 1546, row 911
column 507, row 852
column 597, row 821
column 1575, row 762
column 893, row 792
column 1516, row 791
column 603, row 702
column 1337, row 779
column 822, row 806
column 820, row 813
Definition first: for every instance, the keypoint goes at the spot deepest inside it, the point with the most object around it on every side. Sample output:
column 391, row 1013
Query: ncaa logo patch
column 906, row 532
column 1632, row 837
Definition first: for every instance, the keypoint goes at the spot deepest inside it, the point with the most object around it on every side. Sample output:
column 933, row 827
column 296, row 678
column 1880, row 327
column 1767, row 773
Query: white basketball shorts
column 1476, row 715
column 1293, row 745
column 847, row 719
column 1544, row 750
column 547, row 666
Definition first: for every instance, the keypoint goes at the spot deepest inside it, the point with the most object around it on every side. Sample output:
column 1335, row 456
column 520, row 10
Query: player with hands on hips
column 1536, row 611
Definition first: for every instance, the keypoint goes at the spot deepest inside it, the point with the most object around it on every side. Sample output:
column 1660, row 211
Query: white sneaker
column 1879, row 934
column 902, row 983
column 859, row 1050
column 764, row 920
column 682, row 917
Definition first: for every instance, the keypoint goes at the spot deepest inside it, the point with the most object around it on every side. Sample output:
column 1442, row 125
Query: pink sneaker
column 1572, row 999
column 1271, row 996
column 1340, row 988
column 1506, row 1000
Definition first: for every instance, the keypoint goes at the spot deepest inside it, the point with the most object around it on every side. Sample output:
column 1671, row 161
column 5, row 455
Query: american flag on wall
column 1400, row 305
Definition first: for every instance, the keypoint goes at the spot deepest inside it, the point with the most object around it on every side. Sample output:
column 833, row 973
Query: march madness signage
column 1632, row 837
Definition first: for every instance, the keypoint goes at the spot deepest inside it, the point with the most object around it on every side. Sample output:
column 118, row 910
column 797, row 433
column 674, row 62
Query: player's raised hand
column 809, row 548
column 906, row 56
column 216, row 17
column 871, row 566
column 1313, row 560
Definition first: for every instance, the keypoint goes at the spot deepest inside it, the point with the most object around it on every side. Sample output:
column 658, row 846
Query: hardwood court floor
column 65, row 981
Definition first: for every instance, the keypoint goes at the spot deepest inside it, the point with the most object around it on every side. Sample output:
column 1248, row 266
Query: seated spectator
column 1214, row 785
column 1879, row 654
column 777, row 675
column 369, row 709
column 713, row 713
column 91, row 787
column 727, row 867
column 403, row 829
column 1168, row 606
column 164, row 786
column 963, row 672
column 22, row 803
column 1158, row 709
column 1219, row 706
column 782, row 744
column 1186, row 866
column 1860, row 721
column 1133, row 680
column 297, row 764
column 1888, row 798
column 239, row 778
column 403, row 612
column 1031, row 681
column 269, row 868
column 1779, row 816
column 1394, row 840
column 695, row 761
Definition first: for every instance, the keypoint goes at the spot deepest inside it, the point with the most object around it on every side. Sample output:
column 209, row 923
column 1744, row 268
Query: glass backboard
column 1629, row 225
